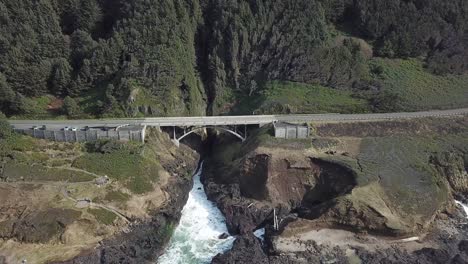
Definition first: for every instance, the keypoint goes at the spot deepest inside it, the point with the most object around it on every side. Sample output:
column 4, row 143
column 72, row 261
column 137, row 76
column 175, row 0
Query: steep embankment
column 107, row 201
column 353, row 186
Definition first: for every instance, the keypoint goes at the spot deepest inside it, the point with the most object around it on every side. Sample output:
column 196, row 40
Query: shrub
column 70, row 107
column 116, row 196
column 103, row 216
column 5, row 128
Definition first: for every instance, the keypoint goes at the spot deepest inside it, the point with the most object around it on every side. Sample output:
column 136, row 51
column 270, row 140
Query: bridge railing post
column 143, row 134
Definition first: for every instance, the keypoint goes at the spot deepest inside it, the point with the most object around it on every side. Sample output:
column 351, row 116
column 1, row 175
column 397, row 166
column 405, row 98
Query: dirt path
column 95, row 205
column 75, row 169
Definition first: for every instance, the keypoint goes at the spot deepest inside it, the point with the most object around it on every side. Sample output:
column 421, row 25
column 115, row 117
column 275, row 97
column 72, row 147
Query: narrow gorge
column 201, row 233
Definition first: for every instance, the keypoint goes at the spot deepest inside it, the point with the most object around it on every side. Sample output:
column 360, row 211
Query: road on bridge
column 230, row 120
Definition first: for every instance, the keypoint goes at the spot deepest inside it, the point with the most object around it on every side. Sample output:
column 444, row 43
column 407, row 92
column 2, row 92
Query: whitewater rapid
column 196, row 238
column 463, row 206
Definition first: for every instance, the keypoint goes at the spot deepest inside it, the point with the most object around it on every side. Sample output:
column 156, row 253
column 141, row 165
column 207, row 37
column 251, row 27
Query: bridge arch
column 214, row 127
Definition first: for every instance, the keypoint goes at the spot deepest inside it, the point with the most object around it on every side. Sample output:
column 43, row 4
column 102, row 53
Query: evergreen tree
column 60, row 79
column 7, row 96
column 5, row 127
column 70, row 107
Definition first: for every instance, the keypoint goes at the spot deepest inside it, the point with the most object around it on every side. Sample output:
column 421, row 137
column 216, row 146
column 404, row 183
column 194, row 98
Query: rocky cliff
column 366, row 186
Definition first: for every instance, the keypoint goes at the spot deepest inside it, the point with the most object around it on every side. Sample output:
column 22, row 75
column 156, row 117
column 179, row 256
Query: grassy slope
column 401, row 165
column 28, row 161
column 419, row 89
column 135, row 170
column 292, row 97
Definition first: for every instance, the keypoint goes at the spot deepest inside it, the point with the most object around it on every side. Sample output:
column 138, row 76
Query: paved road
column 231, row 120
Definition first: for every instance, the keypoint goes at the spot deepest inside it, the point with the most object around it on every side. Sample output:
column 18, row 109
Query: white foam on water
column 260, row 233
column 195, row 239
column 463, row 206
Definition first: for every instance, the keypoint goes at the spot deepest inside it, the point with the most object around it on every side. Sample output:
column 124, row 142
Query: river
column 195, row 239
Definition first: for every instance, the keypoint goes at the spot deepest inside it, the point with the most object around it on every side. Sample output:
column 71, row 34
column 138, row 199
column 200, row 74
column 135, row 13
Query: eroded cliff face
column 312, row 186
column 453, row 165
column 387, row 185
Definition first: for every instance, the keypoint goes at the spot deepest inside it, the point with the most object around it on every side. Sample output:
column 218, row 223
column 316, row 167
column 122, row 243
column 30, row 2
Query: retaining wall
column 84, row 136
column 286, row 130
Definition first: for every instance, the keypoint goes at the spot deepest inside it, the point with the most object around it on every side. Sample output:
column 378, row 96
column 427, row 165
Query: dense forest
column 189, row 57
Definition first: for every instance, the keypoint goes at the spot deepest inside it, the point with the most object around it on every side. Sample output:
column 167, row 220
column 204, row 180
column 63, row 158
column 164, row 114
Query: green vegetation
column 402, row 167
column 190, row 57
column 419, row 89
column 116, row 196
column 58, row 162
column 123, row 162
column 101, row 48
column 70, row 107
column 5, row 128
column 18, row 171
column 103, row 216
column 10, row 141
column 167, row 230
column 25, row 159
column 289, row 97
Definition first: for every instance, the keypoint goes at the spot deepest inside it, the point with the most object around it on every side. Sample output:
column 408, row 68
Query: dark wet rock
column 432, row 255
column 223, row 236
column 246, row 249
column 458, row 260
column 422, row 256
column 463, row 247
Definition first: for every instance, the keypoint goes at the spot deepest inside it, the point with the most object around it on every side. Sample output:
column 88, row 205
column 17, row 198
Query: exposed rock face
column 246, row 249
column 366, row 190
column 354, row 249
column 453, row 166
column 267, row 182
column 314, row 188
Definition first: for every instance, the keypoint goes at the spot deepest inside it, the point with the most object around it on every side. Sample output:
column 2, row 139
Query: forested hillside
column 192, row 57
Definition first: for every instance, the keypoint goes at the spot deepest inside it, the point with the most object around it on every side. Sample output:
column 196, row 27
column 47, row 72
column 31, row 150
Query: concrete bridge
column 235, row 125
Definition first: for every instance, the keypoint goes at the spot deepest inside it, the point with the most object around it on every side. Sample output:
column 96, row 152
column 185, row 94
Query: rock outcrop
column 246, row 249
column 313, row 187
column 453, row 165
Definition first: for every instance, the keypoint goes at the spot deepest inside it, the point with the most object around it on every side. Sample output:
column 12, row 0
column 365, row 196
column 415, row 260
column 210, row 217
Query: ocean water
column 195, row 239
column 465, row 207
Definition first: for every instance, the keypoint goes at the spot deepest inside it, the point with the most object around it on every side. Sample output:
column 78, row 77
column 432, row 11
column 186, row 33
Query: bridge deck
column 231, row 120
